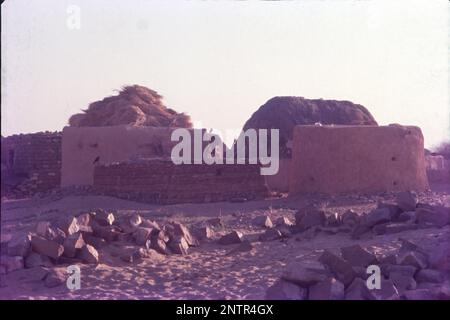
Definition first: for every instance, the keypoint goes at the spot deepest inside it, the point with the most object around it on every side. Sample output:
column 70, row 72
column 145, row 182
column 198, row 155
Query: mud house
column 335, row 159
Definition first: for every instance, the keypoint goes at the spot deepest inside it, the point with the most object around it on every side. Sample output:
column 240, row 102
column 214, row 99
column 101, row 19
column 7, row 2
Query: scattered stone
column 69, row 225
column 84, row 220
column 245, row 246
column 205, row 233
column 407, row 200
column 141, row 235
column 147, row 223
column 402, row 282
column 419, row 294
column 135, row 220
column 394, row 210
column 181, row 230
column 270, row 235
column 104, row 218
column 431, row 218
column 429, row 275
column 357, row 256
column 340, row 268
column 46, row 247
column 19, row 245
column 387, row 291
column 284, row 290
column 284, row 222
column 329, row 289
column 391, row 228
column 439, row 256
column 305, row 274
column 309, row 217
column 72, row 244
column 407, row 216
column 109, row 233
column 54, row 278
column 359, row 231
column 11, row 263
column 357, row 290
column 94, row 241
column 214, row 222
column 231, row 238
column 88, row 254
column 350, row 218
column 378, row 216
column 263, row 221
column 45, row 230
column 333, row 220
column 159, row 245
column 37, row 260
column 413, row 258
column 179, row 245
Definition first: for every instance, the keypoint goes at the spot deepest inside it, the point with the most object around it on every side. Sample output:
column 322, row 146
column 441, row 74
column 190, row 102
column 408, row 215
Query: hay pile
column 134, row 105
column 284, row 113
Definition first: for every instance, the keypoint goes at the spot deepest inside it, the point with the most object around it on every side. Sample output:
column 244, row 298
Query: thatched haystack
column 134, row 105
column 284, row 113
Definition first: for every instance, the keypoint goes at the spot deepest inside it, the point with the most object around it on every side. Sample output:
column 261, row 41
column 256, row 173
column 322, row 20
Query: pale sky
column 219, row 61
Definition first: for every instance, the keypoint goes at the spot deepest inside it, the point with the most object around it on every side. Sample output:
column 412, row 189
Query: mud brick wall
column 32, row 162
column 159, row 181
column 335, row 159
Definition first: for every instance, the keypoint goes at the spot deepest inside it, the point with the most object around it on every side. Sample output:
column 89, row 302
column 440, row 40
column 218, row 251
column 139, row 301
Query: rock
column 231, row 238
column 263, row 221
column 183, row 231
column 161, row 234
column 407, row 201
column 357, row 290
column 341, row 269
column 147, row 223
column 142, row 253
column 439, row 256
column 135, row 220
column 245, row 246
column 329, row 289
column 104, row 218
column 305, row 274
column 350, row 218
column 45, row 230
column 69, row 225
column 214, row 222
column 413, row 258
column 205, row 233
column 141, row 235
column 109, row 233
column 37, row 260
column 284, row 222
column 394, row 210
column 88, row 254
column 419, row 294
column 387, row 291
column 284, row 290
column 19, row 245
column 270, row 235
column 333, row 220
column 159, row 245
column 429, row 275
column 431, row 218
column 309, row 217
column 357, row 256
column 46, row 247
column 179, row 245
column 390, row 228
column 11, row 263
column 84, row 220
column 402, row 282
column 407, row 216
column 94, row 241
column 378, row 216
column 54, row 278
column 359, row 230
column 72, row 244
column 405, row 270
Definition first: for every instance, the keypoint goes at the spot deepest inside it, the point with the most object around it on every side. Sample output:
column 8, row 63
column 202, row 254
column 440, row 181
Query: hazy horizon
column 220, row 61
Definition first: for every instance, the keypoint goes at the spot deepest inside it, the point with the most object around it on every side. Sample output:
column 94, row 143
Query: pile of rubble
column 411, row 273
column 80, row 239
column 387, row 218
